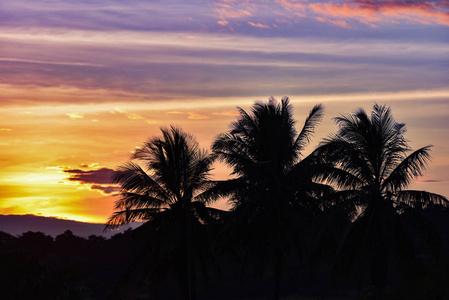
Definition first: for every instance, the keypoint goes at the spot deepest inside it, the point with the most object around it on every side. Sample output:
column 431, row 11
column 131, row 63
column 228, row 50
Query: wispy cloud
column 190, row 115
column 129, row 115
column 162, row 67
column 259, row 25
column 341, row 13
column 196, row 116
column 75, row 116
column 132, row 116
column 227, row 113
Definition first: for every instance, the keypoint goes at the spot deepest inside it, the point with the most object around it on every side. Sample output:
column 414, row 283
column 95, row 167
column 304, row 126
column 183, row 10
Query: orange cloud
column 175, row 112
column 227, row 113
column 132, row 116
column 196, row 116
column 369, row 12
column 190, row 115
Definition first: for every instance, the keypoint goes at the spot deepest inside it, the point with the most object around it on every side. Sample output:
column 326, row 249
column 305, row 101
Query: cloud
column 91, row 165
column 223, row 22
column 175, row 112
column 10, row 210
column 75, row 116
column 190, row 115
column 5, row 129
column 370, row 12
column 227, row 113
column 259, row 25
column 197, row 116
column 105, row 189
column 99, row 176
column 431, row 181
column 133, row 116
column 376, row 13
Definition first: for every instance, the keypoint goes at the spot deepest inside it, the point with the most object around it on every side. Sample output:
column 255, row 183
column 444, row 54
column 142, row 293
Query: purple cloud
column 432, row 181
column 96, row 177
column 105, row 189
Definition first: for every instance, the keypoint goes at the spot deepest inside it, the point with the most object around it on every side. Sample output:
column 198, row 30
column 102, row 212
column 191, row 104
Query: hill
column 18, row 224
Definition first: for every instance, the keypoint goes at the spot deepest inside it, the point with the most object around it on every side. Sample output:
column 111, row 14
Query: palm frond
column 411, row 167
column 129, row 215
column 420, row 199
column 345, row 155
column 313, row 119
column 220, row 189
column 132, row 178
column 128, row 200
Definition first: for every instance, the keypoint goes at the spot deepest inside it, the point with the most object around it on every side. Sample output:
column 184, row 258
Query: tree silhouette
column 273, row 193
column 167, row 196
column 375, row 165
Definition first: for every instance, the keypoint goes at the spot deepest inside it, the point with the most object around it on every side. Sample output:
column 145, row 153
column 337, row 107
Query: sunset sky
column 85, row 82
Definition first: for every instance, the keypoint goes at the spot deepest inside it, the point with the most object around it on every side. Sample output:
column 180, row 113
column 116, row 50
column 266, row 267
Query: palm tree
column 164, row 190
column 375, row 165
column 272, row 193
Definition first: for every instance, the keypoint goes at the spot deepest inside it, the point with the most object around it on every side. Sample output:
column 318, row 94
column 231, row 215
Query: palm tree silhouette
column 375, row 165
column 166, row 194
column 273, row 193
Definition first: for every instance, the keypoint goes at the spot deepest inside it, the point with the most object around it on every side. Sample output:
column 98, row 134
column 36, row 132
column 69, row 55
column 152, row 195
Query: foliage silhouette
column 167, row 196
column 374, row 165
column 273, row 194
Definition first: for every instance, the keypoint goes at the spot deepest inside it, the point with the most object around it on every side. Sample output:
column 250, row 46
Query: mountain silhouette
column 18, row 224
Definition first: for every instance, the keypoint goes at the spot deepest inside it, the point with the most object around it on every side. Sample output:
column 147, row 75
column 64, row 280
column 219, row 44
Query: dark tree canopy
column 376, row 165
column 274, row 193
column 164, row 189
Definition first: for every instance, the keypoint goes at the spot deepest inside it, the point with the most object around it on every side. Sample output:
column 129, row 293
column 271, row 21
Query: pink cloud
column 370, row 12
column 229, row 13
column 377, row 12
column 259, row 25
column 339, row 23
column 298, row 8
